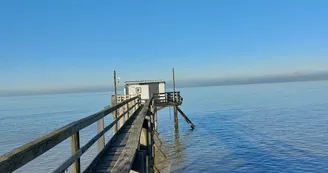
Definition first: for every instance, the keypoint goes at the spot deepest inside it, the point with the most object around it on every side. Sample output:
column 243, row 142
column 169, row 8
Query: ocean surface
column 279, row 127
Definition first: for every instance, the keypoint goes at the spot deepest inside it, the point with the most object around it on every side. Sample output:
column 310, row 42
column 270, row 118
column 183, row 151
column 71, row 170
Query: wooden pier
column 131, row 149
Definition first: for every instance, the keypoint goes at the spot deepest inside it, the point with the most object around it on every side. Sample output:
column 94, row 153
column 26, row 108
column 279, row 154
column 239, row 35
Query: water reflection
column 177, row 147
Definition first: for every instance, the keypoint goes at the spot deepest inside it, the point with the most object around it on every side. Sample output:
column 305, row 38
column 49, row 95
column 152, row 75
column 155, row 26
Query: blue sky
column 47, row 45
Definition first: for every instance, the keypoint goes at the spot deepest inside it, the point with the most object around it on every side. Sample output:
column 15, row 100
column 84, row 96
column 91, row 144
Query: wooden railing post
column 101, row 140
column 136, row 107
column 122, row 120
column 150, row 145
column 75, row 146
column 152, row 109
column 155, row 119
column 127, row 107
column 114, row 102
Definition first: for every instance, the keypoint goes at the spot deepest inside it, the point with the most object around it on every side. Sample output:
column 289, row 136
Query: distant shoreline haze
column 183, row 83
column 295, row 77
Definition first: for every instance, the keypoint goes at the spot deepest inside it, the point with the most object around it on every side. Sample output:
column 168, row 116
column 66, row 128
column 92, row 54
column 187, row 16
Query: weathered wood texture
column 126, row 159
column 176, row 119
column 101, row 140
column 122, row 120
column 79, row 153
column 108, row 157
column 111, row 155
column 22, row 155
column 150, row 145
column 75, row 146
column 156, row 120
column 127, row 106
column 115, row 113
column 167, row 99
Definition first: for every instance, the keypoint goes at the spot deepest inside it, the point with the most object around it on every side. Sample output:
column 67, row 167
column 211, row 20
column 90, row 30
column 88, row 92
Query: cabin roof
column 143, row 82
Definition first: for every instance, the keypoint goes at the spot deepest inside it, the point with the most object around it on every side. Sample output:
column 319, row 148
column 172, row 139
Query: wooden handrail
column 82, row 150
column 167, row 98
column 177, row 93
column 126, row 159
column 24, row 154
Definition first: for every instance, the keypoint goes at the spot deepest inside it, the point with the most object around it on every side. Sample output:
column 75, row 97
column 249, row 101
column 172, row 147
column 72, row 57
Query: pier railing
column 167, row 98
column 20, row 156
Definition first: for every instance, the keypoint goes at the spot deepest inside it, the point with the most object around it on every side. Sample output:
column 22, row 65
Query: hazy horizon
column 294, row 77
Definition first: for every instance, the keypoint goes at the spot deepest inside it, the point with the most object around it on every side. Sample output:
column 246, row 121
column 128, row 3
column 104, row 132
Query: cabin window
column 138, row 90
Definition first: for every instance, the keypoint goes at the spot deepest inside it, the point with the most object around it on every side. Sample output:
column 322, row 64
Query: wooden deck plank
column 109, row 158
column 126, row 159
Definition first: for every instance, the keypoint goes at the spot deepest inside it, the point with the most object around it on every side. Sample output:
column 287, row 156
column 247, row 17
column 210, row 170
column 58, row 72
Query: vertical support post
column 115, row 102
column 132, row 110
column 136, row 107
column 155, row 119
column 152, row 116
column 176, row 120
column 151, row 147
column 132, row 103
column 127, row 107
column 75, row 146
column 122, row 119
column 101, row 140
column 144, row 138
column 173, row 84
column 152, row 110
column 144, row 142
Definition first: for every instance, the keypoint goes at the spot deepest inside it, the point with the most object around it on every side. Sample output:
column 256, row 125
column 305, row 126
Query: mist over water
column 246, row 128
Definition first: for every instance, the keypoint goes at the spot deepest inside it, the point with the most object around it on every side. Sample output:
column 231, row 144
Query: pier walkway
column 131, row 148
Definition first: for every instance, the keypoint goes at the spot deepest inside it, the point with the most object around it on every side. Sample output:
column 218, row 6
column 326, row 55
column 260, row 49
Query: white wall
column 162, row 88
column 144, row 91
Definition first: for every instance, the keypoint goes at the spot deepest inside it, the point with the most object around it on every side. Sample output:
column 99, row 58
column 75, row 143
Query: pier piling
column 114, row 102
column 175, row 112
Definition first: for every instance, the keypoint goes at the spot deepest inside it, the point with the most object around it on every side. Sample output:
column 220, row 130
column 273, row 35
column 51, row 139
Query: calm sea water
column 246, row 128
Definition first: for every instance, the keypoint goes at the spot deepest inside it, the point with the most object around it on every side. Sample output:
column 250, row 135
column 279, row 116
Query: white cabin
column 145, row 88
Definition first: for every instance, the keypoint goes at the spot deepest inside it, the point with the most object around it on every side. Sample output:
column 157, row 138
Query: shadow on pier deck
column 108, row 158
column 131, row 149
